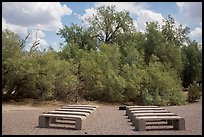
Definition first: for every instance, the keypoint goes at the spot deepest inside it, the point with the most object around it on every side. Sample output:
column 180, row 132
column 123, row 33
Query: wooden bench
column 79, row 109
column 140, row 122
column 129, row 110
column 77, row 113
column 132, row 107
column 145, row 111
column 169, row 122
column 45, row 120
column 53, row 120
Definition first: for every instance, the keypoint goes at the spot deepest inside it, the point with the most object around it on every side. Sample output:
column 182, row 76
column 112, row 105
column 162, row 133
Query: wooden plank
column 82, row 106
column 146, row 109
column 69, row 113
column 155, row 114
column 150, row 111
column 159, row 117
column 85, row 108
column 147, row 112
column 142, row 106
column 75, row 110
column 128, row 111
column 61, row 115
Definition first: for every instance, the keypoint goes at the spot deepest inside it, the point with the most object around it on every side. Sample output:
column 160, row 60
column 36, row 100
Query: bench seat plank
column 150, row 111
column 69, row 113
column 82, row 106
column 158, row 117
column 147, row 112
column 128, row 111
column 75, row 110
column 155, row 114
column 85, row 108
column 61, row 115
column 159, row 108
column 142, row 106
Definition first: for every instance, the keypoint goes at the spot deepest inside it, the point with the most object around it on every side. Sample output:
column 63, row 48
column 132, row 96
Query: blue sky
column 48, row 17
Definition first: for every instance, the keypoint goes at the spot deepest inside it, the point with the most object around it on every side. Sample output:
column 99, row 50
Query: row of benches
column 139, row 115
column 81, row 114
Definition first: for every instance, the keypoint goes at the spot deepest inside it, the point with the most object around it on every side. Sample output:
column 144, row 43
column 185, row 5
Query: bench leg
column 44, row 121
column 53, row 120
column 140, row 125
column 131, row 117
column 169, row 122
column 179, row 124
column 88, row 119
column 80, row 123
column 127, row 112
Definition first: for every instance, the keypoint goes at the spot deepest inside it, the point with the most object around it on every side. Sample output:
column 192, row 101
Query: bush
column 100, row 73
column 194, row 93
column 161, row 86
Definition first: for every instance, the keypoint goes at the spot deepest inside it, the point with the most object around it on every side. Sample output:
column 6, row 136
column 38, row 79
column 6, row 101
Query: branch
column 34, row 45
column 110, row 36
column 21, row 42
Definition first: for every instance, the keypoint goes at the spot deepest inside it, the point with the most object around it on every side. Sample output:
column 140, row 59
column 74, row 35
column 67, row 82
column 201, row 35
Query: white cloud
column 197, row 32
column 192, row 11
column 147, row 16
column 88, row 13
column 22, row 17
column 132, row 7
column 45, row 15
column 12, row 27
column 136, row 9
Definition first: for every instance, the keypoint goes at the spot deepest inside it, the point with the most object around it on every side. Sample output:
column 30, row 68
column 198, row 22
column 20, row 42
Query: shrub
column 162, row 85
column 194, row 92
column 100, row 73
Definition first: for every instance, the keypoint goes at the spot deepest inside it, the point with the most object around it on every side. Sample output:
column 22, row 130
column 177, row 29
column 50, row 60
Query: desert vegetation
column 109, row 61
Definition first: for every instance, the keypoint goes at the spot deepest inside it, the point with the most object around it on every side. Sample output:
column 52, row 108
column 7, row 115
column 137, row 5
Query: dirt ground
column 21, row 118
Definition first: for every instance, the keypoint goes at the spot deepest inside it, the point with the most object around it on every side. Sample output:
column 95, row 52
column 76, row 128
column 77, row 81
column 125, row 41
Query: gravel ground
column 23, row 120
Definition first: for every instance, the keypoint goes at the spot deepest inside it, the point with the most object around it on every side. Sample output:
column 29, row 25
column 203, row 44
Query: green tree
column 174, row 34
column 154, row 40
column 156, row 44
column 192, row 58
column 107, row 24
column 11, row 56
column 79, row 35
column 35, row 74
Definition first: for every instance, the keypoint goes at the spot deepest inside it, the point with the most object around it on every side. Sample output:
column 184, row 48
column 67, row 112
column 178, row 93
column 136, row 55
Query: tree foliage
column 108, row 61
column 78, row 35
column 192, row 59
column 107, row 24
